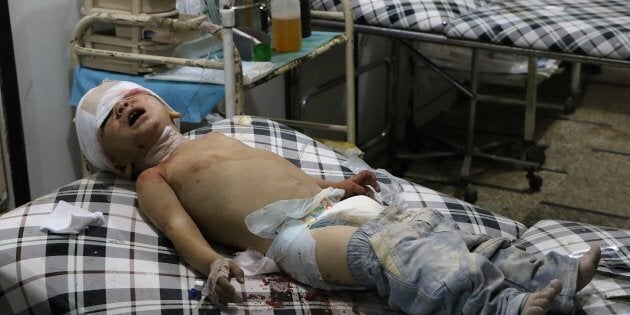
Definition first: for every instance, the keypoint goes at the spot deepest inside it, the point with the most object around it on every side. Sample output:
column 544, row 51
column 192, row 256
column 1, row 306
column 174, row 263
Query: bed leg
column 530, row 108
column 576, row 72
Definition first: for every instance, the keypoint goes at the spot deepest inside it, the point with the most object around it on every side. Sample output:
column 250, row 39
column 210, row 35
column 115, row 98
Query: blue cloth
column 309, row 44
column 192, row 100
column 424, row 264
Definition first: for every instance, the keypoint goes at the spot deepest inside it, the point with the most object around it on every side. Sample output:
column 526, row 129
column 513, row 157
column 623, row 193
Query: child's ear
column 175, row 118
column 174, row 114
column 124, row 170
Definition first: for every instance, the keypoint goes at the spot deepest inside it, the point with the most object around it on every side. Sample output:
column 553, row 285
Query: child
column 218, row 189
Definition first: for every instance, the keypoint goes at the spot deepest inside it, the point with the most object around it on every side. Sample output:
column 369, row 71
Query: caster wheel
column 536, row 154
column 470, row 194
column 535, row 181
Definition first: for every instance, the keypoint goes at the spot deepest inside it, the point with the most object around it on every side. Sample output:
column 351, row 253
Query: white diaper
column 268, row 221
column 288, row 222
column 294, row 251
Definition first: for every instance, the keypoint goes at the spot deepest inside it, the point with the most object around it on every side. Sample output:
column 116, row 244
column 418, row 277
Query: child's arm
column 159, row 203
column 355, row 185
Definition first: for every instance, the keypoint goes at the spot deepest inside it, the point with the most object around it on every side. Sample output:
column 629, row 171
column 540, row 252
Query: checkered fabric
column 609, row 292
column 599, row 28
column 415, row 15
column 127, row 266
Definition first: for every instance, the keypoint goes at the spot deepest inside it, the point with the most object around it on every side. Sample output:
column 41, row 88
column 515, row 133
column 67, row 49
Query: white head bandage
column 168, row 141
column 93, row 109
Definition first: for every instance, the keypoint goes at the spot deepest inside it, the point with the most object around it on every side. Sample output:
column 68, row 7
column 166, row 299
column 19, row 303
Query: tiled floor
column 586, row 175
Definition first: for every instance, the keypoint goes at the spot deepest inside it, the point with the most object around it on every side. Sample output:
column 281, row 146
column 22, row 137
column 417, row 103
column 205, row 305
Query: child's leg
column 532, row 273
column 539, row 302
column 426, row 267
column 424, row 264
column 588, row 266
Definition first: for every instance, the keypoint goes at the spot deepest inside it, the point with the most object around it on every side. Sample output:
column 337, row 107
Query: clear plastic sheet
column 613, row 257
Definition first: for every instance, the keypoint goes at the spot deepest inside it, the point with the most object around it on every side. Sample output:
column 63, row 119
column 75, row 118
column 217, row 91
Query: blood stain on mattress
column 274, row 304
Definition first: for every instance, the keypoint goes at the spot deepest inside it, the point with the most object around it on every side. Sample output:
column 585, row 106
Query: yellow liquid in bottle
column 287, row 34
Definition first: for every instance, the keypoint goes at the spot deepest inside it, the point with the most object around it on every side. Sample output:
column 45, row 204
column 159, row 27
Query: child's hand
column 224, row 292
column 358, row 184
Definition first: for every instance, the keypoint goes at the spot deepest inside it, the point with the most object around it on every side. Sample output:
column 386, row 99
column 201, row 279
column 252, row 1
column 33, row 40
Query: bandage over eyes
column 93, row 109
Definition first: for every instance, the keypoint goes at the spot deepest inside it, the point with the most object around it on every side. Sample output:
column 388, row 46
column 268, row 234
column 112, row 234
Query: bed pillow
column 413, row 15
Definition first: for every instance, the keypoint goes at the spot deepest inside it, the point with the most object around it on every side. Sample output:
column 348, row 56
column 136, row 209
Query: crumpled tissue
column 68, row 219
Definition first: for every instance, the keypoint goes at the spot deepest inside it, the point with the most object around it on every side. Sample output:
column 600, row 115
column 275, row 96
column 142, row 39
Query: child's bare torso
column 219, row 181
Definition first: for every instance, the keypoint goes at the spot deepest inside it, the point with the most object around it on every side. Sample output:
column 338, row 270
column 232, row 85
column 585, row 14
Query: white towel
column 68, row 219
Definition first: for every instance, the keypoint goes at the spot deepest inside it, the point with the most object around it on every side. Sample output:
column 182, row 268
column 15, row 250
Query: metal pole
column 472, row 115
column 530, row 107
column 350, row 86
column 228, row 22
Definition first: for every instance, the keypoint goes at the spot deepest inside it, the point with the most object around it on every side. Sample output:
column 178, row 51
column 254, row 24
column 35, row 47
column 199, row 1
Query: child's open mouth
column 134, row 115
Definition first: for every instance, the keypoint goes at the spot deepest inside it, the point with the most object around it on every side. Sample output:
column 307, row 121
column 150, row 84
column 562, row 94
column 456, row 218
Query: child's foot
column 588, row 267
column 538, row 303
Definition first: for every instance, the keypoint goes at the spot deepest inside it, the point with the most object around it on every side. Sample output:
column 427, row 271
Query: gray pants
column 424, row 264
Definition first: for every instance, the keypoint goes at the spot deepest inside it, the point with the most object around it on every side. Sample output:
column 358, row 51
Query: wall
column 41, row 36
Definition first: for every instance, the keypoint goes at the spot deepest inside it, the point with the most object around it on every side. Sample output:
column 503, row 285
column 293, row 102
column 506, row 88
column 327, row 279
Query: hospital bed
column 126, row 266
column 583, row 31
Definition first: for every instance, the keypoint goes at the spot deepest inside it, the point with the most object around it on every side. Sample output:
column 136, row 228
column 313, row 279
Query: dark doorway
column 12, row 111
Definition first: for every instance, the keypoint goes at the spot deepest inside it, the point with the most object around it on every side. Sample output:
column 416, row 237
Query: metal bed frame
column 532, row 54
column 468, row 151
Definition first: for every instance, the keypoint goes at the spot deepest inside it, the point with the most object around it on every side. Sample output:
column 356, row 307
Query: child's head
column 117, row 122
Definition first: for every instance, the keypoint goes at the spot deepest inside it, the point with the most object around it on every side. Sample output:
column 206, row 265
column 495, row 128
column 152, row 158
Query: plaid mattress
column 599, row 28
column 415, row 15
column 127, row 266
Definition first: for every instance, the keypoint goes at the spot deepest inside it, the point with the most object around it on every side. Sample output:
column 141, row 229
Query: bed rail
column 346, row 22
column 233, row 73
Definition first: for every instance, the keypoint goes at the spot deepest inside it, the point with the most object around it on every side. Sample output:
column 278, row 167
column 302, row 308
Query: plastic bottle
column 286, row 27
